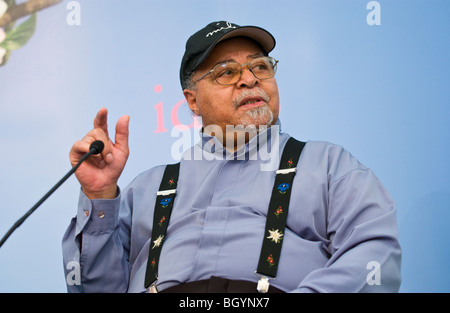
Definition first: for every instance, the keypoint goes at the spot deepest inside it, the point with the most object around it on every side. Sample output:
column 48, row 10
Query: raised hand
column 99, row 174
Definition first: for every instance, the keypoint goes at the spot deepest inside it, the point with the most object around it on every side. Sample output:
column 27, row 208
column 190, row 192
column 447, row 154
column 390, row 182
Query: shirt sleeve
column 96, row 249
column 364, row 250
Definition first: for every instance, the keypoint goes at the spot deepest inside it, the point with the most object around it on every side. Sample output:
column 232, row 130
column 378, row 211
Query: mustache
column 250, row 93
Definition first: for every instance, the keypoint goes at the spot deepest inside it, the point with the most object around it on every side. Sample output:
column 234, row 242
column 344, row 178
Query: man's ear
column 191, row 98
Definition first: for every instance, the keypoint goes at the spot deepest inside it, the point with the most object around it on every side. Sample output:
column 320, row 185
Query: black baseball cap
column 200, row 44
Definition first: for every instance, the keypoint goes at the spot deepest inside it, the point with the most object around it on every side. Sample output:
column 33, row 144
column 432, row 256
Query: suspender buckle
column 287, row 171
column 166, row 192
column 263, row 283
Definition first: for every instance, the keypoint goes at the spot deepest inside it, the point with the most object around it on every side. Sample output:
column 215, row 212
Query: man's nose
column 247, row 79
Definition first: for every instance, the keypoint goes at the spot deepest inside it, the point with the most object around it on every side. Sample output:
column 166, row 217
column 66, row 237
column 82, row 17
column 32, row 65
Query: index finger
column 101, row 120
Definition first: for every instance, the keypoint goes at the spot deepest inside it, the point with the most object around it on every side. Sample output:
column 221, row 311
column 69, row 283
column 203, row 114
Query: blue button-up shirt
column 341, row 232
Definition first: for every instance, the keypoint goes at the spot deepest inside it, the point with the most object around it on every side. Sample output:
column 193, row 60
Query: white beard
column 258, row 116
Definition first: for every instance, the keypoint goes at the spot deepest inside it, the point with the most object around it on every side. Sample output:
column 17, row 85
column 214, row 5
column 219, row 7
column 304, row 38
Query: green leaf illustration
column 19, row 36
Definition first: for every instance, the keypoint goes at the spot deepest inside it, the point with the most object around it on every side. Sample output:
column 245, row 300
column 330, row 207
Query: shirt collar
column 211, row 144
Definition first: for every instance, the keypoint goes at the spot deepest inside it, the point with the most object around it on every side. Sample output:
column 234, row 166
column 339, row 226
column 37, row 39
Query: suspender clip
column 263, row 283
column 152, row 288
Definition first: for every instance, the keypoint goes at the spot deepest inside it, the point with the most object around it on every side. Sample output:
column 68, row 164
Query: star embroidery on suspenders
column 157, row 242
column 275, row 235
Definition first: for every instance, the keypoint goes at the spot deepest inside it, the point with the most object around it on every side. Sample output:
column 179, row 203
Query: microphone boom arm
column 95, row 148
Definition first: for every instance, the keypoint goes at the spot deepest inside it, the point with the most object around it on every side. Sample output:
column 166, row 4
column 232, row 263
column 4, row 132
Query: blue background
column 382, row 92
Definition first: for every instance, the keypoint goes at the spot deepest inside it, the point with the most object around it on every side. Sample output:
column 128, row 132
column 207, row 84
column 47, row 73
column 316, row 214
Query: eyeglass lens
column 230, row 72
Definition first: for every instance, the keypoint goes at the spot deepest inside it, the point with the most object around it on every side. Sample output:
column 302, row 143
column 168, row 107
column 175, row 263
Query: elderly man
column 225, row 219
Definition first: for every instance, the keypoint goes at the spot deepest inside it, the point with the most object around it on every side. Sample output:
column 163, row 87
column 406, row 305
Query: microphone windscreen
column 96, row 147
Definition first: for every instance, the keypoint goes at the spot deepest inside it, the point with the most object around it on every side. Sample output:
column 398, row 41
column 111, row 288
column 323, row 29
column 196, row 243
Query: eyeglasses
column 229, row 73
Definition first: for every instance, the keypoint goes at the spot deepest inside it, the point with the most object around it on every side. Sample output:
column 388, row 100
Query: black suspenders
column 275, row 223
column 163, row 208
column 277, row 214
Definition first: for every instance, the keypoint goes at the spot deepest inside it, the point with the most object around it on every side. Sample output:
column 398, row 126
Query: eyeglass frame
column 242, row 69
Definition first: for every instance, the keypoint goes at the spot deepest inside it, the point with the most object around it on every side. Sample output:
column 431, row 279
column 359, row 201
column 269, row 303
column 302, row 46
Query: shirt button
column 101, row 214
column 86, row 213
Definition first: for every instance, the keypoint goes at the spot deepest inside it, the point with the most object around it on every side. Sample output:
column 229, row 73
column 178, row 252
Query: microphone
column 95, row 148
